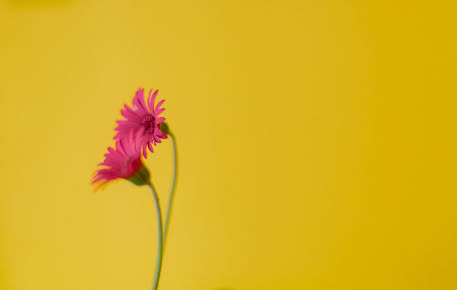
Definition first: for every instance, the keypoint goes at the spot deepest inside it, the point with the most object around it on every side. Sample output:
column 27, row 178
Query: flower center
column 149, row 123
column 130, row 166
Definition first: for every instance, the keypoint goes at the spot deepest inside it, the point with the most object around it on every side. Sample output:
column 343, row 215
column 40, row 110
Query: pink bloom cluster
column 135, row 135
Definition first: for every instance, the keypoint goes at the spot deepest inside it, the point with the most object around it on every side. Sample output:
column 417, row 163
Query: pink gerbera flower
column 143, row 119
column 123, row 161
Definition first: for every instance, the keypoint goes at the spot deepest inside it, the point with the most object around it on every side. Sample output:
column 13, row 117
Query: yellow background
column 317, row 144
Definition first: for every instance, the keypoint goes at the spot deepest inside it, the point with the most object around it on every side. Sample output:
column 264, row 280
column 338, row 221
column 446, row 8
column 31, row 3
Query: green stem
column 155, row 284
column 173, row 188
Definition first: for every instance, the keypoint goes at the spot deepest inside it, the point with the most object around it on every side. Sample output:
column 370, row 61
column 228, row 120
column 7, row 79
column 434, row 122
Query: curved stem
column 173, row 189
column 155, row 284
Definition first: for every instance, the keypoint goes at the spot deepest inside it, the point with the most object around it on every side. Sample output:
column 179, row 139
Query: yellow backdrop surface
column 317, row 144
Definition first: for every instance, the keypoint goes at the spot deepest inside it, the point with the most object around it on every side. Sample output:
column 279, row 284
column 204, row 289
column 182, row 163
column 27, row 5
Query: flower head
column 143, row 119
column 123, row 161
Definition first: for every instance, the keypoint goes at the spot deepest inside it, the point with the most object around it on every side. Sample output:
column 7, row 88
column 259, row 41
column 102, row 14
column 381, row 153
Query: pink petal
column 145, row 152
column 161, row 134
column 158, row 106
column 130, row 114
column 151, row 100
column 138, row 101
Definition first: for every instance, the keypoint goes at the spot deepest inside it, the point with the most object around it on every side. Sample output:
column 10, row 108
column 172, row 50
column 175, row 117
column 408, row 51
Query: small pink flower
column 143, row 119
column 123, row 161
